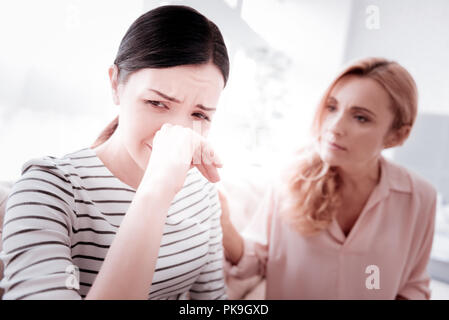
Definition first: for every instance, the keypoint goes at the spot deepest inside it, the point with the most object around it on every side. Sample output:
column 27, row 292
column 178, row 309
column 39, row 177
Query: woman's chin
column 330, row 159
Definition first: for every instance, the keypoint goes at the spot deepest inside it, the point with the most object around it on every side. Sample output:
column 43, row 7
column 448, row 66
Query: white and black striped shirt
column 63, row 214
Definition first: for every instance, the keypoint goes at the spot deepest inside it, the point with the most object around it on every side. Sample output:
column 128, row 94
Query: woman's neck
column 117, row 159
column 362, row 176
column 357, row 184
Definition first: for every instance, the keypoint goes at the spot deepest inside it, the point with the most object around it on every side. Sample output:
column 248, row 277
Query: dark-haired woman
column 344, row 222
column 135, row 216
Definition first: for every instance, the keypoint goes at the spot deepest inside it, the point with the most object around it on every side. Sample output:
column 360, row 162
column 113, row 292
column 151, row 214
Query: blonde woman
column 344, row 222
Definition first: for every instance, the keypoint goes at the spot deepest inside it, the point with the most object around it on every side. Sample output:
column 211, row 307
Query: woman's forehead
column 179, row 82
column 360, row 90
column 198, row 74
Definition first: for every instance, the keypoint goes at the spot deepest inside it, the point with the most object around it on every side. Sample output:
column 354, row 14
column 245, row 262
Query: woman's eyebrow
column 332, row 99
column 205, row 108
column 358, row 108
column 163, row 95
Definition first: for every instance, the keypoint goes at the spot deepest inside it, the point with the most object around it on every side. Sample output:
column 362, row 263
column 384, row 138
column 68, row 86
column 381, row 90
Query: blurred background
column 55, row 96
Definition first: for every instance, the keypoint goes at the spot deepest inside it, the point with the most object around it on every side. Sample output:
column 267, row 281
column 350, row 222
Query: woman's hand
column 175, row 150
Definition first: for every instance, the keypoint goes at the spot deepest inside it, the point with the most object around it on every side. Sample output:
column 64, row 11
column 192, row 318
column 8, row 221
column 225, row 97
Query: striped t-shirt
column 63, row 214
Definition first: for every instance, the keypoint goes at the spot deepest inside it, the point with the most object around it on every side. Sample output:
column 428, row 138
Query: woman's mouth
column 149, row 146
column 335, row 146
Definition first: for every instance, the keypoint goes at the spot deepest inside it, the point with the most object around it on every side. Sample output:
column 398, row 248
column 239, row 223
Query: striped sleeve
column 210, row 285
column 36, row 236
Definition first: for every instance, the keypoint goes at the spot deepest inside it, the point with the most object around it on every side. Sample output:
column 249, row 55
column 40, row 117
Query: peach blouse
column 384, row 255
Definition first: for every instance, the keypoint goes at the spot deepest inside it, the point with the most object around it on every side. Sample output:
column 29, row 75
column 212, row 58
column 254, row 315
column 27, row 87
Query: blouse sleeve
column 417, row 284
column 256, row 237
column 36, row 238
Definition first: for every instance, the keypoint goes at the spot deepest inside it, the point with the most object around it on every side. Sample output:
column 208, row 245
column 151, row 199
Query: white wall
column 416, row 34
column 54, row 90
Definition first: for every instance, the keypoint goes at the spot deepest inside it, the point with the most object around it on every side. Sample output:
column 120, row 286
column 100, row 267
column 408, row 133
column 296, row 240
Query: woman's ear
column 397, row 137
column 113, row 78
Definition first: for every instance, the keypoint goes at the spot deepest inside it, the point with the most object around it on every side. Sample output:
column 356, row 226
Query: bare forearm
column 232, row 243
column 127, row 272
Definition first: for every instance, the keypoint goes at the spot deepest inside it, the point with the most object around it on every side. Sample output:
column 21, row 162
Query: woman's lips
column 335, row 146
column 149, row 146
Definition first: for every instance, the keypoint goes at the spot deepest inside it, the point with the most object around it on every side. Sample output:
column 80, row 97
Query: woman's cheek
column 367, row 145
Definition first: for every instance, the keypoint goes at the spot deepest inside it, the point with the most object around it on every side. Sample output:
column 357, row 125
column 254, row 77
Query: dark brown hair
column 164, row 37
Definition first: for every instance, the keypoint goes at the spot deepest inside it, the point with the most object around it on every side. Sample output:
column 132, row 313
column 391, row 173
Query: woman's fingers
column 178, row 149
column 206, row 159
column 207, row 166
column 171, row 157
column 210, row 172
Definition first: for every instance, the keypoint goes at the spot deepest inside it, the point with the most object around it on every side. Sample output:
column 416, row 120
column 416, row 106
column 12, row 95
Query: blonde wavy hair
column 313, row 186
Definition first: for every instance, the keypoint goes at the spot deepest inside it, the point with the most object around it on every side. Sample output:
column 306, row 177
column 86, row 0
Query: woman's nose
column 338, row 125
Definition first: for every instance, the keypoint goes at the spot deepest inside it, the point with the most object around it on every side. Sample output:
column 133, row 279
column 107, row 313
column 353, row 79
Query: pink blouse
column 385, row 254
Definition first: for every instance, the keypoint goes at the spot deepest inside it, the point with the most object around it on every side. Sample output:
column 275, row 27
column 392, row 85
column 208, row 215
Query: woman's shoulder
column 407, row 180
column 45, row 182
column 62, row 167
column 62, row 173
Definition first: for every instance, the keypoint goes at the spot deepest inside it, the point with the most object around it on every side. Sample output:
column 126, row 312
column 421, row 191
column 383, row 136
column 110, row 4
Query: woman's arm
column 37, row 253
column 128, row 269
column 36, row 237
column 247, row 253
column 418, row 282
column 232, row 240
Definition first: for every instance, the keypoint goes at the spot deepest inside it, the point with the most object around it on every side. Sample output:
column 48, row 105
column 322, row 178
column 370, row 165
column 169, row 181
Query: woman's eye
column 361, row 119
column 201, row 116
column 157, row 104
column 331, row 108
